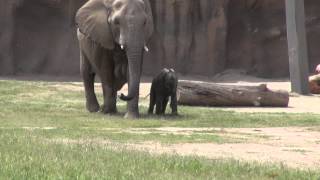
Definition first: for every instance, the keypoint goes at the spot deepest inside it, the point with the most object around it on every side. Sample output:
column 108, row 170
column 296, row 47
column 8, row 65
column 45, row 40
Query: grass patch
column 130, row 137
column 61, row 106
column 35, row 114
column 45, row 104
column 24, row 156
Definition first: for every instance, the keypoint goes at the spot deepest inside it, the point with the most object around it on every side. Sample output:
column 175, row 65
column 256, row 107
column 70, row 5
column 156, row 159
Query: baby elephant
column 164, row 86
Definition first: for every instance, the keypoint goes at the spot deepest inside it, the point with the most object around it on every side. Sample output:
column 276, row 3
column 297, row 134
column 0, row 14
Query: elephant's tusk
column 122, row 47
column 146, row 48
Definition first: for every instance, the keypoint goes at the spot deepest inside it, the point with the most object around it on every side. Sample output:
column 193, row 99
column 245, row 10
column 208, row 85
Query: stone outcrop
column 196, row 37
column 190, row 36
column 257, row 38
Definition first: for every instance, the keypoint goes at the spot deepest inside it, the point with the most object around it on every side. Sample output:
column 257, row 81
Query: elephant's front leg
column 92, row 104
column 133, row 107
column 159, row 104
column 164, row 105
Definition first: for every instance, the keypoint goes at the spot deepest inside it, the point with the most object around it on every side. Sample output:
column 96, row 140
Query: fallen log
column 196, row 93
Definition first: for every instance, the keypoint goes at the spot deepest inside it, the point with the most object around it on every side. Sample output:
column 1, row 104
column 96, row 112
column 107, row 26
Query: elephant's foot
column 174, row 113
column 109, row 110
column 132, row 115
column 150, row 111
column 93, row 106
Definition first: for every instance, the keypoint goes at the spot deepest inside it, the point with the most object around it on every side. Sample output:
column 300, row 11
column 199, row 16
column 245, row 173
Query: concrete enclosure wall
column 196, row 37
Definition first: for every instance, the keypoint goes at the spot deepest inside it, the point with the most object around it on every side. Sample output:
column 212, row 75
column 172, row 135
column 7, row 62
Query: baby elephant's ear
column 92, row 20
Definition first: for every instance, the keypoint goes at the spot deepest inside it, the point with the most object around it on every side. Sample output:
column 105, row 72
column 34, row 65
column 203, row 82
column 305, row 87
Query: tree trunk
column 210, row 94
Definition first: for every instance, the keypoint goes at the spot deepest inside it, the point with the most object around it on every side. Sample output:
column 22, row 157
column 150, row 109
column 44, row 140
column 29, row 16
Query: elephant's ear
column 92, row 20
column 149, row 24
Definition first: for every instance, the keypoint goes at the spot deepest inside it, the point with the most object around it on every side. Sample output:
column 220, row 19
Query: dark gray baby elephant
column 164, row 86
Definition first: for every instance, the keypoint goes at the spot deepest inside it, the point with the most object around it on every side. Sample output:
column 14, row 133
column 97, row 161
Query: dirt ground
column 294, row 147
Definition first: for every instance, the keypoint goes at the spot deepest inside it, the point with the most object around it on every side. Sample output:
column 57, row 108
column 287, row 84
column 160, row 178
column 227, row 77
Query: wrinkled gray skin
column 112, row 36
column 164, row 86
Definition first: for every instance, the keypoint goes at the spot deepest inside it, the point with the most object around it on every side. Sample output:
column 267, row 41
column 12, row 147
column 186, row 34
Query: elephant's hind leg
column 88, row 75
column 174, row 104
column 110, row 100
column 108, row 84
column 152, row 100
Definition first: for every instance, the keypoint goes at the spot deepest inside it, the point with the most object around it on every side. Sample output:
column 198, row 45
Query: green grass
column 42, row 104
column 59, row 113
column 24, row 156
column 131, row 137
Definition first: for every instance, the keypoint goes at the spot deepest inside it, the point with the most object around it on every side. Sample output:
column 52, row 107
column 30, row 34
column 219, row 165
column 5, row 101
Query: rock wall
column 196, row 37
column 190, row 36
column 45, row 39
column 257, row 38
column 6, row 35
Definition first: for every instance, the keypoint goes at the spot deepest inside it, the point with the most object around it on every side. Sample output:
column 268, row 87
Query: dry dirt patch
column 295, row 147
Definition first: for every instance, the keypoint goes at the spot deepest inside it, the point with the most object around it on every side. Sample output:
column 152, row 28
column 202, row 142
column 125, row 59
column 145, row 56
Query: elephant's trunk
column 134, row 66
column 134, row 50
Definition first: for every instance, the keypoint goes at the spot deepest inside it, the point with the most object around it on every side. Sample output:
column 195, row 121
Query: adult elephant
column 112, row 36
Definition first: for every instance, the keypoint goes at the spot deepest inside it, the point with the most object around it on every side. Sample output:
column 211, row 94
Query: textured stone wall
column 6, row 36
column 197, row 37
column 190, row 36
column 257, row 38
column 45, row 39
